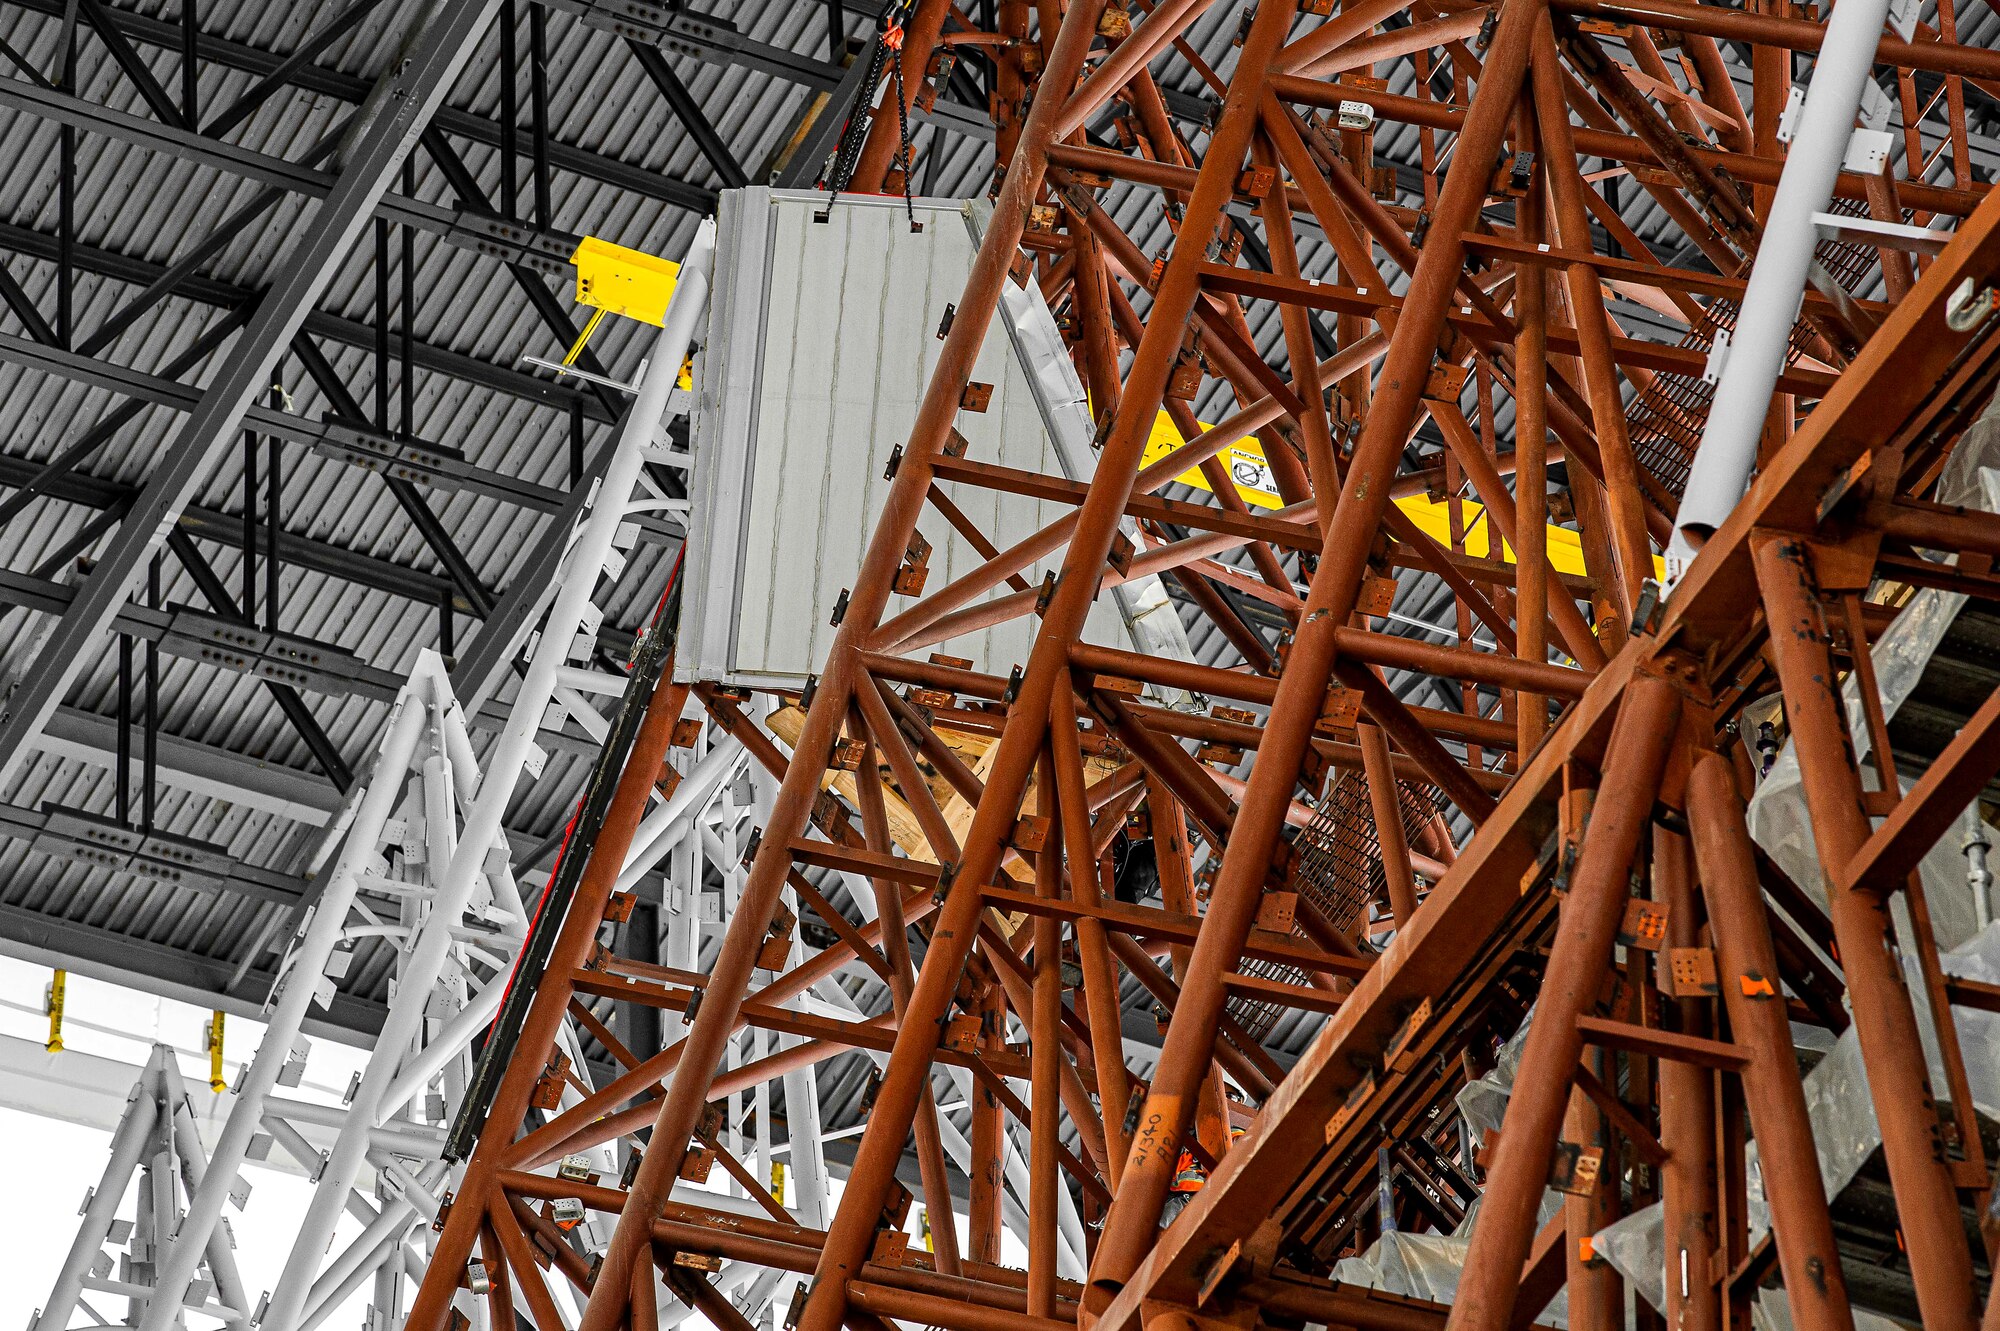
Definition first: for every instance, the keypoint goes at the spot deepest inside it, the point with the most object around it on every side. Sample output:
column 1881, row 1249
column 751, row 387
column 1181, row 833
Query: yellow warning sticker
column 1259, row 488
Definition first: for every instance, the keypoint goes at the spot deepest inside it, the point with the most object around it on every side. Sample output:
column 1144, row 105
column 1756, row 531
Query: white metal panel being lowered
column 813, row 370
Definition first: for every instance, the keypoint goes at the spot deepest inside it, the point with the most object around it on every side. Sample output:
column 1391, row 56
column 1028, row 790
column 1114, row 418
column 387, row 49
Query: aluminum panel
column 822, row 338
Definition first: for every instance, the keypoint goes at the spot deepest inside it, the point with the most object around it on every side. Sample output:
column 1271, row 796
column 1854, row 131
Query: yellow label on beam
column 1252, row 475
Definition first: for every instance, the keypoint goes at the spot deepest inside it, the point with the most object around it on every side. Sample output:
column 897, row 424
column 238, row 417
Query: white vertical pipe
column 664, row 826
column 128, row 1142
column 229, row 1289
column 509, row 755
column 294, row 999
column 1771, row 302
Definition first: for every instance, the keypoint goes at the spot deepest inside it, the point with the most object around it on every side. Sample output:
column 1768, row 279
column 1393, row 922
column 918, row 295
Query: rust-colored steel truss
column 1594, row 765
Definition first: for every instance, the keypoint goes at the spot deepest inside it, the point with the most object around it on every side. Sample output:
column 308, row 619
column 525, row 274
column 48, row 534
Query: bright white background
column 51, row 1164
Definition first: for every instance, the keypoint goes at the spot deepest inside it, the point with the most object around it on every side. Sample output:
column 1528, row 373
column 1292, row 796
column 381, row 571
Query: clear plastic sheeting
column 1845, row 1133
column 1419, row 1266
column 1777, row 815
column 1483, row 1102
column 1845, row 1130
column 1427, row 1266
column 1633, row 1246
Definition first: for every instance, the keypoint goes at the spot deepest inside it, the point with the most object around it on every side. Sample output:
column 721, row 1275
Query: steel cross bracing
column 349, row 431
column 157, row 109
column 195, row 117
column 465, row 872
column 1470, row 339
column 1569, row 839
column 424, row 873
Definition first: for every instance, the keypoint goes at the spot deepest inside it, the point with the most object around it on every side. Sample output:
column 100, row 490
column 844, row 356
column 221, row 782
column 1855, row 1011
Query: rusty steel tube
column 1188, row 456
column 1898, row 1082
column 878, row 151
column 1747, row 971
column 1627, row 149
column 1637, row 753
column 1167, row 21
column 1386, row 804
column 1130, row 1227
column 687, row 1095
column 853, row 1226
column 1047, row 669
column 1375, row 649
column 545, row 1015
column 955, row 1314
column 1687, row 1114
column 1531, row 461
column 1070, row 826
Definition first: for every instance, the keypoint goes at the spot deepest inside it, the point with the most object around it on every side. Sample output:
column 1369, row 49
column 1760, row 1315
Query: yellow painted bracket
column 54, row 1002
column 216, row 1082
column 614, row 280
column 621, row 281
column 1252, row 474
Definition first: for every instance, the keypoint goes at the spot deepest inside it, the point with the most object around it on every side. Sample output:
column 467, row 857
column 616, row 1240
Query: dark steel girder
column 276, row 172
column 385, row 130
column 364, row 570
column 332, row 328
column 166, row 35
column 324, row 751
column 147, row 390
column 169, row 972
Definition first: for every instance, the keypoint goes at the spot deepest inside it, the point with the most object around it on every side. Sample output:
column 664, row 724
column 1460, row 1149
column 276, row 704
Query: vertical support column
column 1134, row 1217
column 1646, row 725
column 128, row 1142
column 988, row 1147
column 1687, row 1116
column 1531, row 458
column 1747, row 970
column 1885, row 1021
column 1386, row 805
column 1045, row 1053
column 1596, row 1293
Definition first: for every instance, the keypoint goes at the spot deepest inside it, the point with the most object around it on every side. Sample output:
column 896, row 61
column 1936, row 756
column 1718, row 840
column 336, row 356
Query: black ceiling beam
column 113, row 421
column 545, row 302
column 688, row 112
column 188, row 265
column 324, row 751
column 456, row 566
column 203, row 523
column 171, row 972
column 165, row 34
column 129, row 60
column 433, row 50
column 24, row 309
column 365, row 570
column 140, row 272
column 308, row 51
column 333, row 434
